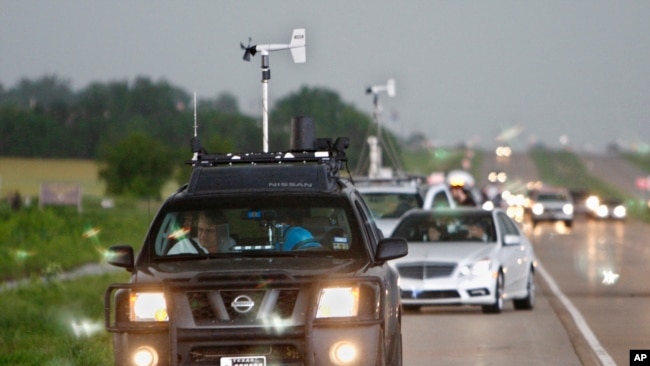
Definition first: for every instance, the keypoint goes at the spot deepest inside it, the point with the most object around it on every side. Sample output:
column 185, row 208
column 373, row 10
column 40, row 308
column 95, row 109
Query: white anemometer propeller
column 297, row 46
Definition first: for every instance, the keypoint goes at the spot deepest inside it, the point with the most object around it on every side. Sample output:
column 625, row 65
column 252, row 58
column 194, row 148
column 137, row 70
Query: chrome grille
column 208, row 307
column 426, row 270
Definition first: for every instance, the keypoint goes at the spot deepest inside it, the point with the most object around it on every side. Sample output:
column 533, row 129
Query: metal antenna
column 297, row 46
column 195, row 143
column 195, row 125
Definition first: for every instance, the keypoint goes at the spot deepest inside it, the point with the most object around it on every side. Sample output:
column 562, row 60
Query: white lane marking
column 603, row 356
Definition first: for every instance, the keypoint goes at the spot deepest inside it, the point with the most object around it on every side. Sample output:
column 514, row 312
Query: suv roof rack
column 297, row 170
column 324, row 152
column 417, row 179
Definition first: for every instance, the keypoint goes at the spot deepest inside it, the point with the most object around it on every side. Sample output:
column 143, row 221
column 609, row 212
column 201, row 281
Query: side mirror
column 510, row 239
column 391, row 248
column 121, row 256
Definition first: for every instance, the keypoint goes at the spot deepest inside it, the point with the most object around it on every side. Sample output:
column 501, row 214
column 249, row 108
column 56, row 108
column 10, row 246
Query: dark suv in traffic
column 261, row 259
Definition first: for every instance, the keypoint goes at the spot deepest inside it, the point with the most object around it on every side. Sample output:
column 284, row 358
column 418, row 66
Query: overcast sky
column 465, row 70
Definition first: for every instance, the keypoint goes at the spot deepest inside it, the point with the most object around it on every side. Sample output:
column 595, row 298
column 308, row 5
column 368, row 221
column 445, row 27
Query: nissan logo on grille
column 242, row 304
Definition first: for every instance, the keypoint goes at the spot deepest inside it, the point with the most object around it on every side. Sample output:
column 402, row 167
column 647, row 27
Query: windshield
column 391, row 205
column 551, row 197
column 264, row 225
column 463, row 227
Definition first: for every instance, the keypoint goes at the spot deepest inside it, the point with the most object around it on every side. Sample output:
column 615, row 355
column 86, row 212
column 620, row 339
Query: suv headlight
column 538, row 209
column 361, row 300
column 338, row 302
column 148, row 307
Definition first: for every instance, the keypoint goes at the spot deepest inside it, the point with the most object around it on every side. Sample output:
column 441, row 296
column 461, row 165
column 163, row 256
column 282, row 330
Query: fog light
column 478, row 292
column 343, row 353
column 145, row 356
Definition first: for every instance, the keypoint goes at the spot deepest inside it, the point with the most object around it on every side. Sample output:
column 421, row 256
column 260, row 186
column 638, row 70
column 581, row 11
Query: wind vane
column 375, row 143
column 297, row 46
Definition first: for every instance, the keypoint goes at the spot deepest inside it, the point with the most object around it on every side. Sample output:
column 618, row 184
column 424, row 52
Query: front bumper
column 279, row 347
column 466, row 290
column 203, row 328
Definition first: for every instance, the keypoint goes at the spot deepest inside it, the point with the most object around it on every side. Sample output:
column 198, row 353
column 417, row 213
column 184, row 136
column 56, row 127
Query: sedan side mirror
column 510, row 239
column 121, row 256
column 391, row 248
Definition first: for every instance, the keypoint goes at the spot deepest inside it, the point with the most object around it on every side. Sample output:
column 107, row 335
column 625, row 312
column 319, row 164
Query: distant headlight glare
column 567, row 209
column 592, row 202
column 538, row 209
column 148, row 307
column 338, row 302
column 620, row 212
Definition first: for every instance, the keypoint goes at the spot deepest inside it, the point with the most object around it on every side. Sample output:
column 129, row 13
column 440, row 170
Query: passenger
column 296, row 236
column 477, row 231
column 433, row 233
column 462, row 196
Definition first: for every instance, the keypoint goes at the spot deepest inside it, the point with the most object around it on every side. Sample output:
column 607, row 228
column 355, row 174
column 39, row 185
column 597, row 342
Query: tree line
column 126, row 125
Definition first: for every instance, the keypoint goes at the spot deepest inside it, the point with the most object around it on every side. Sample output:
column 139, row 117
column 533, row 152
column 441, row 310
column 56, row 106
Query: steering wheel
column 302, row 245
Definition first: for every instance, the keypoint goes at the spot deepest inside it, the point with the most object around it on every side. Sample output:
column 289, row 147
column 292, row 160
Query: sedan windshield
column 451, row 227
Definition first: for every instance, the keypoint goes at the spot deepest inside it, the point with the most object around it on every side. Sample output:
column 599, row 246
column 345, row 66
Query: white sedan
column 465, row 256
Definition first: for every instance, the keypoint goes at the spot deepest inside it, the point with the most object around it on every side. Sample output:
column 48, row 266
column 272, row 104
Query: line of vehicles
column 220, row 280
column 461, row 251
column 447, row 266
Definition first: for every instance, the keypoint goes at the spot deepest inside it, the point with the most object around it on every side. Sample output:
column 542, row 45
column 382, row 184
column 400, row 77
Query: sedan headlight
column 481, row 267
column 338, row 302
column 602, row 211
column 567, row 209
column 148, row 307
column 592, row 202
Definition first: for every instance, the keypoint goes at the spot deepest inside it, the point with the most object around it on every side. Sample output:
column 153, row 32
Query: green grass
column 45, row 241
column 26, row 176
column 37, row 323
column 640, row 160
column 427, row 161
column 564, row 168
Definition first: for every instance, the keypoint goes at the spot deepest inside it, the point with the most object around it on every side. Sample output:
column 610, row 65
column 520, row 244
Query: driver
column 213, row 236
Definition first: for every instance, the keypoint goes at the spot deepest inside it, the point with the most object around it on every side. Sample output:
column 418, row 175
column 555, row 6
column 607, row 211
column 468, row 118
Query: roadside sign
column 643, row 183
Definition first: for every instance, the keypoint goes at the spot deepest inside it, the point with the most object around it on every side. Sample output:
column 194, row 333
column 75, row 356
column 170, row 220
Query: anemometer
column 297, row 46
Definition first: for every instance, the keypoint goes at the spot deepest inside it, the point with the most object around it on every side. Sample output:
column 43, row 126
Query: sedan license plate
column 244, row 361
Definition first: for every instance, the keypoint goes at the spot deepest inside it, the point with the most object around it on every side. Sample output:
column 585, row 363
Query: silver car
column 551, row 204
column 465, row 256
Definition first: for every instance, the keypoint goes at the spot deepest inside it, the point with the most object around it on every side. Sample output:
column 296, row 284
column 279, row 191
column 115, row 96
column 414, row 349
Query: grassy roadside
column 52, row 322
column 42, row 242
column 427, row 161
column 564, row 168
column 56, row 322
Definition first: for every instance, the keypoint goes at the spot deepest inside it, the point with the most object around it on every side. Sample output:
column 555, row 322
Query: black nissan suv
column 328, row 299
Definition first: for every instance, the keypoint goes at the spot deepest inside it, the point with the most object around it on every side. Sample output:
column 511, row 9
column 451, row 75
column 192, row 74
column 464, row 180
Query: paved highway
column 592, row 298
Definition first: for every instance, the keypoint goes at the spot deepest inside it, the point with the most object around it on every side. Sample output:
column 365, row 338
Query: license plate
column 244, row 361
